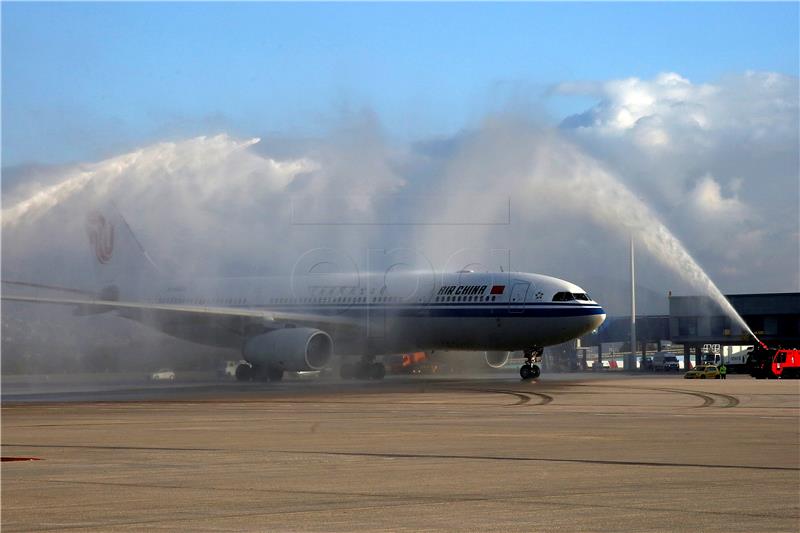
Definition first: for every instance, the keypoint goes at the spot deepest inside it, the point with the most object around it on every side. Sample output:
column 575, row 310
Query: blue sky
column 83, row 81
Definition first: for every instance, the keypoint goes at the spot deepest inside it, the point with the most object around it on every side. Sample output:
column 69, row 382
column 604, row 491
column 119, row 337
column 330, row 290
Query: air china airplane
column 300, row 322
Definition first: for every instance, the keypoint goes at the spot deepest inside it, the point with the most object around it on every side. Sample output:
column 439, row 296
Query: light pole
column 632, row 359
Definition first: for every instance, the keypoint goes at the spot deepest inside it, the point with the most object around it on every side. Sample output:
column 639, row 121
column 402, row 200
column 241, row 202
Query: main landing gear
column 248, row 372
column 530, row 370
column 367, row 368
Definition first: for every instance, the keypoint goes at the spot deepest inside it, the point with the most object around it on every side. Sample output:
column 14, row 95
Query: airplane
column 298, row 322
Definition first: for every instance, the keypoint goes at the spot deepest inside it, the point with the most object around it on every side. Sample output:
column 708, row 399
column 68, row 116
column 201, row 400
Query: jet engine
column 496, row 359
column 293, row 349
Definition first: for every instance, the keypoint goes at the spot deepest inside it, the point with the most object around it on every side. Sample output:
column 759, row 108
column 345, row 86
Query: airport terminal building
column 697, row 322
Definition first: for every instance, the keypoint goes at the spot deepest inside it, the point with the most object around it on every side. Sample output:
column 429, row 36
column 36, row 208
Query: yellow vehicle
column 703, row 372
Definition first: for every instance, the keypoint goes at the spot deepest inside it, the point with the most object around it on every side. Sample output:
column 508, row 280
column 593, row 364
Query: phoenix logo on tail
column 101, row 236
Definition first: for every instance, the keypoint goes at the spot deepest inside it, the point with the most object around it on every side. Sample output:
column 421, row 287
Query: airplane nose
column 594, row 321
column 599, row 319
column 586, row 324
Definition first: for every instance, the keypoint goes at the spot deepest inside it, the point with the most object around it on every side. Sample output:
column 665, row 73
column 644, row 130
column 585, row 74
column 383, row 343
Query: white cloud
column 670, row 109
column 706, row 197
column 715, row 163
column 719, row 161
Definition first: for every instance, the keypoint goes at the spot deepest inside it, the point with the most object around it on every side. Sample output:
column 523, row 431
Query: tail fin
column 122, row 266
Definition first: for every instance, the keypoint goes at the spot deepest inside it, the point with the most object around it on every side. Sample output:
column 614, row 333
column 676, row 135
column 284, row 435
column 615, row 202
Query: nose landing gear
column 248, row 372
column 530, row 370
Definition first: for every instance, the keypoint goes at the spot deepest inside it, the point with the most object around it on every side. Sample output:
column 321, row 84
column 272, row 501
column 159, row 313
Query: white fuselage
column 401, row 312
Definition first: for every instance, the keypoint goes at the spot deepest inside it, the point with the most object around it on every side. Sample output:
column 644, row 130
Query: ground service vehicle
column 164, row 374
column 665, row 362
column 228, row 371
column 737, row 363
column 764, row 362
column 703, row 372
column 786, row 364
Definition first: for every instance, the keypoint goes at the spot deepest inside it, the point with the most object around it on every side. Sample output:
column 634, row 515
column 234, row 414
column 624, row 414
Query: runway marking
column 538, row 459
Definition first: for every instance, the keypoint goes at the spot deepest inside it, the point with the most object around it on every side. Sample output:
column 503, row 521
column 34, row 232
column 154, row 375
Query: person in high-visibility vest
column 723, row 371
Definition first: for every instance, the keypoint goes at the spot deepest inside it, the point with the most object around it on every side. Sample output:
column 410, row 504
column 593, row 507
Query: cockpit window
column 563, row 297
column 571, row 296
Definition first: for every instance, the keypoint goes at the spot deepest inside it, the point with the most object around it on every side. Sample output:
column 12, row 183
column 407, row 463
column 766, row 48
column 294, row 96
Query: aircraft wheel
column 536, row 371
column 244, row 372
column 347, row 371
column 274, row 373
column 702, row 376
column 363, row 370
column 526, row 372
column 377, row 371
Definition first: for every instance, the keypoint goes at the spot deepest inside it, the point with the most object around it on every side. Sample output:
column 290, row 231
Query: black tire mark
column 733, row 401
column 540, row 460
column 522, row 397
column 545, row 398
column 708, row 401
column 708, row 398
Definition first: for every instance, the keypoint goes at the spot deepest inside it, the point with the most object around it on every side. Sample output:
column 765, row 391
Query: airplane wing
column 237, row 320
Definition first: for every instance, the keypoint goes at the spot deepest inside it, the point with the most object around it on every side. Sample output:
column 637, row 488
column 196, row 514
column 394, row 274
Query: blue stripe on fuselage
column 451, row 310
column 505, row 311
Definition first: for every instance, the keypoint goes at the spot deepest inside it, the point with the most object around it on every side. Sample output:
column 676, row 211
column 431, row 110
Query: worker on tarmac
column 723, row 371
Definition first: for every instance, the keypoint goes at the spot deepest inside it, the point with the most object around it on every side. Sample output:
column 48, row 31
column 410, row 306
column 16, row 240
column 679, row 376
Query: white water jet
column 139, row 169
column 612, row 204
column 213, row 167
column 550, row 180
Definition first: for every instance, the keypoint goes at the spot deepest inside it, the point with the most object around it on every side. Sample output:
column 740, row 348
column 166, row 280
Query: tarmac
column 564, row 453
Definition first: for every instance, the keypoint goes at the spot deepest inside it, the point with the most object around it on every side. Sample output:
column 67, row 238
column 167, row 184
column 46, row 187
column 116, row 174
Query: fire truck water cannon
column 771, row 363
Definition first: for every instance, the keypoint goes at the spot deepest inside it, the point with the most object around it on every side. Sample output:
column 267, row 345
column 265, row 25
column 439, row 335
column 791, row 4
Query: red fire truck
column 763, row 362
